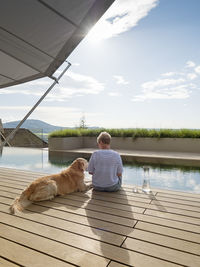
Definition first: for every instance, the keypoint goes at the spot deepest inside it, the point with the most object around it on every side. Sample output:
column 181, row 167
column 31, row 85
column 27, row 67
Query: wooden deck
column 99, row 229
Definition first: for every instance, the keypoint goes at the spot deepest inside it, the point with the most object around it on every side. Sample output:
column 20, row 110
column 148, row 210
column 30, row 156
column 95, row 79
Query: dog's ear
column 81, row 165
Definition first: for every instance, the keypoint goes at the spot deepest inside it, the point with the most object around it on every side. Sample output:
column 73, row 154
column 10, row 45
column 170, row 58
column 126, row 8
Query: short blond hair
column 104, row 137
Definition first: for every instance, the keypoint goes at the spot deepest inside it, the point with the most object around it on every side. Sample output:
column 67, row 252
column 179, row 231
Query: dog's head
column 80, row 164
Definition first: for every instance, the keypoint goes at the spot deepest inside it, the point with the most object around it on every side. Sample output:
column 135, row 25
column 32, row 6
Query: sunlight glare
column 98, row 32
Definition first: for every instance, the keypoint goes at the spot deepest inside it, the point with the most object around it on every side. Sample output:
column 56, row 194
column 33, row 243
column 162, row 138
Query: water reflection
column 177, row 178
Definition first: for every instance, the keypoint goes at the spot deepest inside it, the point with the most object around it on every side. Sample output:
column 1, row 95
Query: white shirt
column 104, row 164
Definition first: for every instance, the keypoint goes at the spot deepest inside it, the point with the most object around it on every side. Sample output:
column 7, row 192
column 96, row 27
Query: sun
column 98, row 33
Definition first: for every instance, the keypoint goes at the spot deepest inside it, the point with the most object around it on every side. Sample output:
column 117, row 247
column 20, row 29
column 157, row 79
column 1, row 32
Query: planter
column 185, row 145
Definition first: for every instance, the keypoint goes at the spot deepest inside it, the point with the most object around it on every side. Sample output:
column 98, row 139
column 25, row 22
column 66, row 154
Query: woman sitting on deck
column 105, row 165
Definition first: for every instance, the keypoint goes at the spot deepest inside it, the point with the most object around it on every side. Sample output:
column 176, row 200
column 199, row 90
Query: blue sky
column 138, row 67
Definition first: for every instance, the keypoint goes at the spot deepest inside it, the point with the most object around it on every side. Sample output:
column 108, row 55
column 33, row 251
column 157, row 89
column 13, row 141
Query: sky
column 139, row 67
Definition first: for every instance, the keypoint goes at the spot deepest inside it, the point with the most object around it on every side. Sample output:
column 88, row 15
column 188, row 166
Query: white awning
column 36, row 36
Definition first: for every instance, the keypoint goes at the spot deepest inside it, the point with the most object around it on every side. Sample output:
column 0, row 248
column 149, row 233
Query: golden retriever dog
column 47, row 187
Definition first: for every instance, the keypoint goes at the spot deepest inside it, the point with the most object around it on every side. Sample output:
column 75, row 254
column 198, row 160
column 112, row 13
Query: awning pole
column 11, row 135
column 4, row 138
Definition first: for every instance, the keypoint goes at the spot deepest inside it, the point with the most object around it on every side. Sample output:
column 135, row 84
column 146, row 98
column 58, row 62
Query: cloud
column 114, row 94
column 120, row 80
column 121, row 17
column 178, row 87
column 36, row 88
column 177, row 92
column 76, row 64
column 168, row 74
column 72, row 84
column 197, row 69
column 161, row 83
column 75, row 84
column 88, row 83
column 190, row 64
column 191, row 76
column 20, row 91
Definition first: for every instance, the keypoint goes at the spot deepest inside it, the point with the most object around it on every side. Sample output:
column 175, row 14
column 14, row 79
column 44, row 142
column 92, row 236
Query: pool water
column 166, row 177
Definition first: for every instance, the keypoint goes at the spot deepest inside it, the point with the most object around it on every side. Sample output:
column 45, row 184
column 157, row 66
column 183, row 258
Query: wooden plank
column 166, row 241
column 36, row 218
column 90, row 205
column 11, row 185
column 178, row 201
column 4, row 262
column 194, row 197
column 106, row 203
column 27, row 256
column 115, row 264
column 178, row 193
column 48, row 246
column 168, row 231
column 168, row 222
column 155, row 203
column 123, row 214
column 172, row 216
column 64, row 205
column 20, row 171
column 185, row 206
column 116, row 228
column 140, row 197
column 94, row 218
column 70, row 254
column 139, row 207
column 169, row 254
column 178, row 211
column 13, row 182
column 14, row 192
column 95, row 223
column 65, row 225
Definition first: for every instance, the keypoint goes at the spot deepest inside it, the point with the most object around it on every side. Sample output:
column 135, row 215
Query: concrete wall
column 66, row 143
column 146, row 144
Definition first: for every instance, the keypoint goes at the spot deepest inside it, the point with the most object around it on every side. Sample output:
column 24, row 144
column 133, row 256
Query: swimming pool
column 166, row 177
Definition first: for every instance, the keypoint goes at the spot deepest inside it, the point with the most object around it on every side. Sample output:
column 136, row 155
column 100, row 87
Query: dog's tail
column 20, row 203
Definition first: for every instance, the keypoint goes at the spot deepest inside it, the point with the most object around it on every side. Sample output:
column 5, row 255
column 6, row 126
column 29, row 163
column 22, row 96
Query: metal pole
column 11, row 135
column 4, row 138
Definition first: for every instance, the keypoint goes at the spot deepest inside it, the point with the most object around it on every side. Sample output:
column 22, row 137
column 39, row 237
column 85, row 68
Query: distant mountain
column 36, row 125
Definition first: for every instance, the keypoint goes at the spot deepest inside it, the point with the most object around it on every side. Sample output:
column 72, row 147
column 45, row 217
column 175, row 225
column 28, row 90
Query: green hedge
column 134, row 133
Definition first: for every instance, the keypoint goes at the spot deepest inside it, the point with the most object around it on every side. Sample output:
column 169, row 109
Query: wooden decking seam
column 113, row 223
column 81, row 248
column 12, row 261
column 38, row 250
